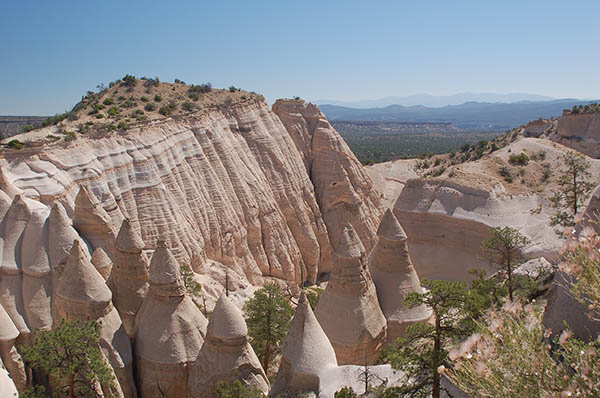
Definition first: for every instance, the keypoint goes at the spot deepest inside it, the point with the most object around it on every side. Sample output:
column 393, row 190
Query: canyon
column 97, row 227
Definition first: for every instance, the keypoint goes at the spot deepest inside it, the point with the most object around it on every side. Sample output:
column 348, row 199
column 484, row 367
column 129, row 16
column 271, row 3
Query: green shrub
column 194, row 96
column 99, row 116
column 69, row 136
column 157, row 98
column 521, row 159
column 122, row 126
column 505, row 172
column 15, row 144
column 26, row 128
column 165, row 110
column 144, row 99
column 177, row 81
column 172, row 105
column 52, row 120
column 200, row 89
column 121, row 98
column 188, row 106
column 150, row 107
column 108, row 101
column 113, row 111
column 129, row 81
column 129, row 104
column 233, row 89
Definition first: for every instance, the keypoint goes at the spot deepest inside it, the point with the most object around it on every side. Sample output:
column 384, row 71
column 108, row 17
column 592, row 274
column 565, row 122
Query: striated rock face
column 129, row 275
column 306, row 351
column 344, row 190
column 102, row 262
column 395, row 277
column 349, row 310
column 229, row 186
column 226, row 355
column 580, row 131
column 82, row 294
column 170, row 330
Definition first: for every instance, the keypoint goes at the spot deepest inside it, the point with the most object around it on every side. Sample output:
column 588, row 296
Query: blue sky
column 52, row 52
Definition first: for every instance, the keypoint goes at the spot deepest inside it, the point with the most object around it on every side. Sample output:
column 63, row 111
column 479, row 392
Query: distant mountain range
column 438, row 101
column 482, row 116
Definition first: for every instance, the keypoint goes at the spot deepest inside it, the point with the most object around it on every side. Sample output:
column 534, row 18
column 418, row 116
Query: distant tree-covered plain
column 382, row 142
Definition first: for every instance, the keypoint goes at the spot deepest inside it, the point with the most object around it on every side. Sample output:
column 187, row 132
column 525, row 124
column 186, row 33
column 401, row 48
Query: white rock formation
column 82, row 294
column 8, row 353
column 129, row 275
column 306, row 353
column 395, row 277
column 348, row 309
column 11, row 234
column 37, row 275
column 7, row 385
column 102, row 262
column 343, row 189
column 226, row 355
column 170, row 330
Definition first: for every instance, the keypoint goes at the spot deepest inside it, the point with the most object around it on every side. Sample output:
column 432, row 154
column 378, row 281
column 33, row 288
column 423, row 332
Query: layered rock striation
column 226, row 185
column 348, row 309
column 343, row 189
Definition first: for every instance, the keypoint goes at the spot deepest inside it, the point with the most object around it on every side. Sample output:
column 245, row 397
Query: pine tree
column 70, row 354
column 573, row 191
column 268, row 315
column 424, row 352
column 504, row 250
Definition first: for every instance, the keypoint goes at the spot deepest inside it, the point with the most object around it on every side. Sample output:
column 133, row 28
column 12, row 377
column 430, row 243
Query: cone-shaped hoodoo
column 82, row 294
column 170, row 331
column 395, row 277
column 129, row 276
column 226, row 355
column 306, row 352
column 358, row 331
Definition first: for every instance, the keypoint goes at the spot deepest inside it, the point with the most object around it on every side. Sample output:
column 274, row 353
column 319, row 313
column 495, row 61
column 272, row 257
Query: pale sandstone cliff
column 580, row 131
column 447, row 218
column 230, row 186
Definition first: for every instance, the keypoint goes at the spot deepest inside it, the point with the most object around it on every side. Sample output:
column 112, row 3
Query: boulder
column 226, row 355
column 359, row 331
column 395, row 277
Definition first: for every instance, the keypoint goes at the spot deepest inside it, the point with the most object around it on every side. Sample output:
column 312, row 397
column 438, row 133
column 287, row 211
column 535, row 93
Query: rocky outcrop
column 102, row 262
column 343, row 189
column 358, row 332
column 82, row 294
column 580, row 131
column 395, row 277
column 129, row 275
column 306, row 353
column 226, row 355
column 11, row 234
column 93, row 222
column 164, row 354
column 37, row 274
column 10, row 357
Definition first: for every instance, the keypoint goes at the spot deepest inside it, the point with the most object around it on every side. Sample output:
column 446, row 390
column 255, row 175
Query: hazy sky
column 52, row 52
